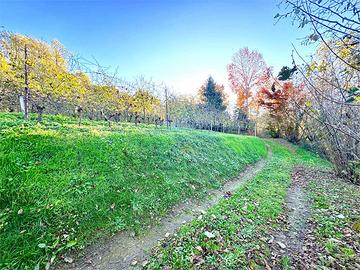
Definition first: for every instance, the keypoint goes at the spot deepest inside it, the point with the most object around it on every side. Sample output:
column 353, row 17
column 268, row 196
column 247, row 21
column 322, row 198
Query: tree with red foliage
column 282, row 100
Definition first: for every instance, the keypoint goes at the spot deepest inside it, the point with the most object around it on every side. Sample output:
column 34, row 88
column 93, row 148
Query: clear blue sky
column 178, row 42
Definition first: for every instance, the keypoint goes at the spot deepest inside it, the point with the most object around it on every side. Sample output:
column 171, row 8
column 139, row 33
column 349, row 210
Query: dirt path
column 124, row 250
column 299, row 207
column 285, row 143
column 291, row 240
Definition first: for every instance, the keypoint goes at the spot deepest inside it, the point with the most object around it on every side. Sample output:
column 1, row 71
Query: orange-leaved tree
column 283, row 101
column 244, row 72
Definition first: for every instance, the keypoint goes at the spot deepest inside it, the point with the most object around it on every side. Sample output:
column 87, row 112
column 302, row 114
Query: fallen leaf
column 42, row 245
column 68, row 260
column 209, row 234
column 282, row 245
column 271, row 239
column 71, row 243
column 356, row 226
column 197, row 260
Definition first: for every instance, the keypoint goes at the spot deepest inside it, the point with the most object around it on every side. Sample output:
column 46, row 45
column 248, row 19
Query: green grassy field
column 239, row 227
column 63, row 186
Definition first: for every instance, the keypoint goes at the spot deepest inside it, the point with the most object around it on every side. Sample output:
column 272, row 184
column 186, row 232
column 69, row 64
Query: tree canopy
column 212, row 95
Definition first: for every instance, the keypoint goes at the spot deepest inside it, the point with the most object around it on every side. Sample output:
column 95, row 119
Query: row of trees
column 58, row 82
column 41, row 77
column 209, row 110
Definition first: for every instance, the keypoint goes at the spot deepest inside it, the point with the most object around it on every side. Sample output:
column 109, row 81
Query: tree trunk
column 79, row 111
column 40, row 110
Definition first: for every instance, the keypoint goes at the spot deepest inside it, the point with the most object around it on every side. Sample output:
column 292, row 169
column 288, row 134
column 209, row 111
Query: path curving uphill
column 125, row 250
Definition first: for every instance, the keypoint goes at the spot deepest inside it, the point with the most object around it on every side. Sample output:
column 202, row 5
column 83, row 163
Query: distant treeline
column 41, row 77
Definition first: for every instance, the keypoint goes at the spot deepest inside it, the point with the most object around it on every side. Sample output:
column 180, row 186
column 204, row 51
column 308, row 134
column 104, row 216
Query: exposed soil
column 296, row 236
column 125, row 250
column 290, row 240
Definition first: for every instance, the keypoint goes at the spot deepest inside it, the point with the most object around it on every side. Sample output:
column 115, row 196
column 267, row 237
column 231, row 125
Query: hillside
column 294, row 214
column 179, row 135
column 64, row 186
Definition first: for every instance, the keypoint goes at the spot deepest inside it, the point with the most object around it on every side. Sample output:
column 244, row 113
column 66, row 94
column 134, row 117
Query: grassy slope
column 62, row 186
column 336, row 211
column 239, row 225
